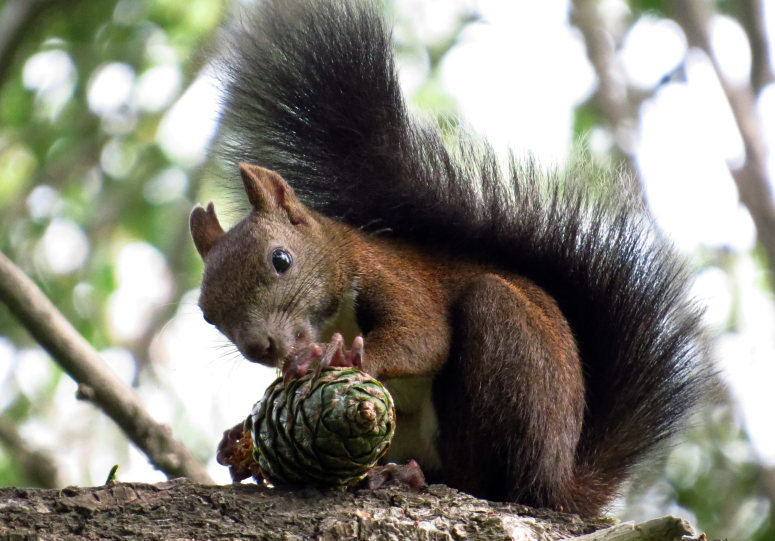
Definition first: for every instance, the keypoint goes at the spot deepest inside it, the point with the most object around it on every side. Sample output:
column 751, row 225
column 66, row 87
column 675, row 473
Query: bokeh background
column 107, row 110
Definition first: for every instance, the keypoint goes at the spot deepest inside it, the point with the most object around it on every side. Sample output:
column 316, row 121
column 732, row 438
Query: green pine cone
column 327, row 431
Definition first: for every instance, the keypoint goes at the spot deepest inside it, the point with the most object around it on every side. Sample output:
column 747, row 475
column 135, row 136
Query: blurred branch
column 37, row 467
column 751, row 179
column 618, row 106
column 611, row 84
column 16, row 18
column 751, row 15
column 96, row 382
column 439, row 49
column 175, row 253
column 767, row 482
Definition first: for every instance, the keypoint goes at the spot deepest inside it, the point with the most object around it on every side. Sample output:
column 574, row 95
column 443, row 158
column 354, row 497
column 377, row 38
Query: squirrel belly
column 537, row 328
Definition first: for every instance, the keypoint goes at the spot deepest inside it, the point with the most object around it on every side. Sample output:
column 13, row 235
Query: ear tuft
column 205, row 228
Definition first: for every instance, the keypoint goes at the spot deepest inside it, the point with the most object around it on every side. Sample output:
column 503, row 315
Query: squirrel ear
column 205, row 229
column 267, row 190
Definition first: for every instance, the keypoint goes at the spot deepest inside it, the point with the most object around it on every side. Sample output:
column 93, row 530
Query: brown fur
column 507, row 360
column 536, row 330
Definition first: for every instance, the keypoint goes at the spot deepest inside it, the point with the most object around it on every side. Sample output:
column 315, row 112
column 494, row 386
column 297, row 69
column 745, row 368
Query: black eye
column 281, row 260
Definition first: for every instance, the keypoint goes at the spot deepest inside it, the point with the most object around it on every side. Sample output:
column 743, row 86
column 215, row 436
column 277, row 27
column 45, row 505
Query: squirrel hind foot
column 409, row 474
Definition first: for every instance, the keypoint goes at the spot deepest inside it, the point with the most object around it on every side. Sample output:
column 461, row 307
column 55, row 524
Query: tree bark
column 181, row 509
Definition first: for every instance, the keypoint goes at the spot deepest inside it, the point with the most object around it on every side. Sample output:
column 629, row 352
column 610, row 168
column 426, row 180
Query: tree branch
column 37, row 467
column 751, row 179
column 96, row 381
column 16, row 18
column 176, row 253
column 751, row 15
column 184, row 510
column 752, row 184
column 616, row 101
column 611, row 84
column 664, row 528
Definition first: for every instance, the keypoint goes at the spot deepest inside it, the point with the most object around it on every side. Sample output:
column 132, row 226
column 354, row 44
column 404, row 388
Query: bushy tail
column 312, row 92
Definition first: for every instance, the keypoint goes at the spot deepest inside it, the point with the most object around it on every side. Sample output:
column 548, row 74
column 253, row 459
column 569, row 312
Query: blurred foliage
column 719, row 479
column 95, row 165
column 90, row 165
column 99, row 171
column 654, row 7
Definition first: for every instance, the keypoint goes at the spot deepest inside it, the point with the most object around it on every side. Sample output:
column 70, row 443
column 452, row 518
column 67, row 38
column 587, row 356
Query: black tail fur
column 312, row 93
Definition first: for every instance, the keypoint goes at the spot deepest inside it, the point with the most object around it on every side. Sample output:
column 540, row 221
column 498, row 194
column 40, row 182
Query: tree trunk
column 181, row 509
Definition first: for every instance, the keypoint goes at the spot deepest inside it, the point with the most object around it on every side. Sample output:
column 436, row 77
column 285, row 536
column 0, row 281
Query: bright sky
column 517, row 76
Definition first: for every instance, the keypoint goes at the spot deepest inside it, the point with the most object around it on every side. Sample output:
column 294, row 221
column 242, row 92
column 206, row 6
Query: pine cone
column 328, row 431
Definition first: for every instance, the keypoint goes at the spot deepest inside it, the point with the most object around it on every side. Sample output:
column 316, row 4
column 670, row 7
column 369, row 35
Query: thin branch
column 176, row 254
column 666, row 528
column 616, row 101
column 16, row 18
column 751, row 179
column 37, row 467
column 611, row 83
column 96, row 381
column 751, row 15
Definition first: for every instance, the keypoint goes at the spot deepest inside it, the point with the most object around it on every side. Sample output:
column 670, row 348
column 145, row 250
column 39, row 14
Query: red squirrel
column 537, row 334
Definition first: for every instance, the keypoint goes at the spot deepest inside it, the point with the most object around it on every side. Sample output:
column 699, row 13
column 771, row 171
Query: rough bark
column 181, row 509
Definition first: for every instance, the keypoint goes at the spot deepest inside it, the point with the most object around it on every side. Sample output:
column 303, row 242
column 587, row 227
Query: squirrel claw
column 300, row 363
column 355, row 355
column 409, row 474
column 331, row 354
column 336, row 355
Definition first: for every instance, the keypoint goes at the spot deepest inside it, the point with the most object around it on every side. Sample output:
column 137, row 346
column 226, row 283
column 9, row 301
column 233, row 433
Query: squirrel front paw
column 336, row 355
column 322, row 355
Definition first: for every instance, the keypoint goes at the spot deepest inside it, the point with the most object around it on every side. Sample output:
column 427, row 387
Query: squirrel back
column 311, row 92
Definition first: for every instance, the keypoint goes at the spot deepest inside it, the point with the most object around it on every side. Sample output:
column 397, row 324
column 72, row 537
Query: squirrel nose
column 262, row 349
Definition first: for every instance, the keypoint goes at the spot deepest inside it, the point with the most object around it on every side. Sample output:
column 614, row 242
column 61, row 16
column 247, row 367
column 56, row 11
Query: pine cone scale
column 328, row 430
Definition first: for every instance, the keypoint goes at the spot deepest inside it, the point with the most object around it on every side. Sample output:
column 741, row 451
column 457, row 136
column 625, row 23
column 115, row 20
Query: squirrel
column 537, row 334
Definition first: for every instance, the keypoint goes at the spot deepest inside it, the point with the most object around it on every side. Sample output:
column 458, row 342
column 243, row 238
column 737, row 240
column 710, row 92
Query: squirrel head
column 271, row 281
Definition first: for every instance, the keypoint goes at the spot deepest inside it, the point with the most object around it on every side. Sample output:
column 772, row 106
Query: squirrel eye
column 281, row 260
